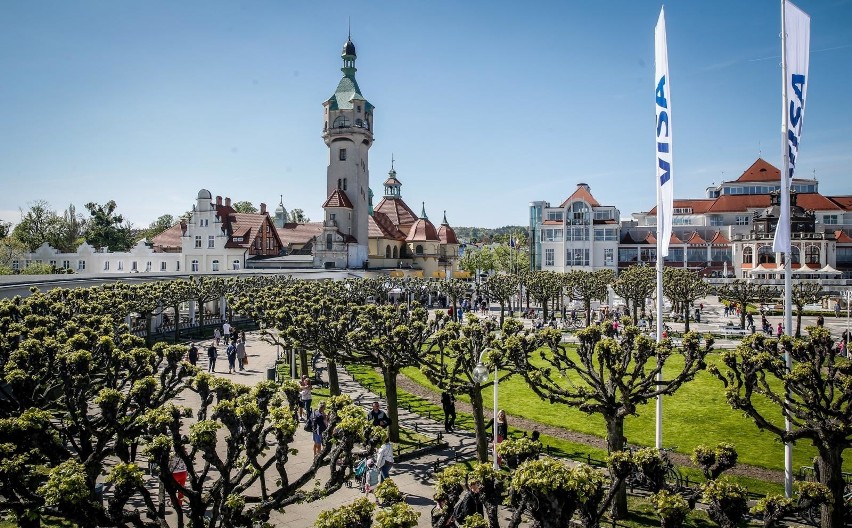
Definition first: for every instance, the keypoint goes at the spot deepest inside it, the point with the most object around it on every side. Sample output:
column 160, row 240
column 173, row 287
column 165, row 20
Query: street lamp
column 479, row 375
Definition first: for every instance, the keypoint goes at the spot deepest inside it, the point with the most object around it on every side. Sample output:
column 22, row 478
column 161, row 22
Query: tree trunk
column 798, row 322
column 149, row 330
column 502, row 313
column 333, row 382
column 588, row 306
column 615, row 442
column 177, row 323
column 743, row 315
column 685, row 317
column 479, row 423
column 830, row 465
column 393, row 411
column 303, row 359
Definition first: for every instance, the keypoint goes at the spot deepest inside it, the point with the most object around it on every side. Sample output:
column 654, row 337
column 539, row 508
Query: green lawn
column 696, row 414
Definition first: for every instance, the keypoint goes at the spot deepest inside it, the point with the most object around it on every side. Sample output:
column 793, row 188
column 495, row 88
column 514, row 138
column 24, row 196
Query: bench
column 732, row 331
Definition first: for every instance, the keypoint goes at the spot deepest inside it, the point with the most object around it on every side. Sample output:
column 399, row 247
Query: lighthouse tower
column 348, row 133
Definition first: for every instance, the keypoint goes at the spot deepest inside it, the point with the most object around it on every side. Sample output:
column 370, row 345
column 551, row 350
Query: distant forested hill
column 484, row 234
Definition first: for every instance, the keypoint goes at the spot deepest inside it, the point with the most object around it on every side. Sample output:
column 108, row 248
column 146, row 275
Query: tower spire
column 423, row 212
column 445, row 218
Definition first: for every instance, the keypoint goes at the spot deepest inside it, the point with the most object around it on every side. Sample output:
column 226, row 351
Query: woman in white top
column 385, row 458
column 305, row 396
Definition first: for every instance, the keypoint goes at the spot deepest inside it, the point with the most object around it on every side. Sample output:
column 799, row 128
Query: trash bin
column 271, row 373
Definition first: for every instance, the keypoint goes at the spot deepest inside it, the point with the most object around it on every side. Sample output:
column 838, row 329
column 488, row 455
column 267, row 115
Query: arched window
column 579, row 214
column 236, row 264
column 195, row 265
column 328, row 242
column 340, row 122
column 418, row 250
column 387, row 252
column 395, row 253
column 812, row 255
column 748, row 255
column 215, row 265
column 765, row 255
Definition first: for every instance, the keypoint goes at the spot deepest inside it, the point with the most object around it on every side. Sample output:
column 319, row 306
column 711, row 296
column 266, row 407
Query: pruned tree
column 588, row 286
column 816, row 396
column 611, row 376
column 744, row 292
column 635, row 285
column 804, row 293
column 683, row 287
column 543, row 286
column 502, row 287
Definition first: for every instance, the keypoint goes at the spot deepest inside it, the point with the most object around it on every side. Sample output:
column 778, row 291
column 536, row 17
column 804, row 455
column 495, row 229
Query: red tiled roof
column 844, row 202
column 338, row 198
column 447, row 234
column 651, row 239
column 169, row 240
column 422, row 230
column 398, row 212
column 675, row 240
column 248, row 226
column 293, row 233
column 581, row 193
column 842, row 237
column 696, row 239
column 719, row 239
column 698, row 205
column 380, row 226
column 760, row 171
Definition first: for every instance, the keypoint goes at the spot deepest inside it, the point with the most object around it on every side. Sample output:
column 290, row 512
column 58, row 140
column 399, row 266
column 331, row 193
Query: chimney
column 262, row 208
column 227, row 202
column 219, row 201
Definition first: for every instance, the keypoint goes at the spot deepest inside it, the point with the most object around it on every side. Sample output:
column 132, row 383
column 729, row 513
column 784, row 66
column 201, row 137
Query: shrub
column 671, row 507
column 387, row 493
column 400, row 515
column 356, row 515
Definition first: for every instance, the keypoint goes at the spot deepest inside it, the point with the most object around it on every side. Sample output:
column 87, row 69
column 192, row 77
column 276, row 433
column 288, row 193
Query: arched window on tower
column 395, row 254
column 418, row 250
column 340, row 122
column 748, row 255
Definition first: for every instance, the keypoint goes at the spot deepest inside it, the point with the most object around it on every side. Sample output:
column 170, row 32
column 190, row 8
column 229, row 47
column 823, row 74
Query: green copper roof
column 347, row 92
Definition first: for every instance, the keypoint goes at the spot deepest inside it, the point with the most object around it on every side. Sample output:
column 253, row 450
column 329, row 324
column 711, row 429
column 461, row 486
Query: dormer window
column 238, row 239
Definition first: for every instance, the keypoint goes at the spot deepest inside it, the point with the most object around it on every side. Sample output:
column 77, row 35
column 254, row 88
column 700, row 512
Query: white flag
column 796, row 47
column 665, row 188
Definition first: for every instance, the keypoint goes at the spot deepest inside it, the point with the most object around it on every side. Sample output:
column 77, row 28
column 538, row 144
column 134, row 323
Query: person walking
column 217, row 336
column 320, row 423
column 502, row 430
column 837, row 308
column 192, row 355
column 305, row 397
column 448, row 402
column 469, row 502
column 231, row 353
column 384, row 461
column 211, row 358
column 780, row 330
column 820, row 320
column 226, row 331
column 241, row 354
column 376, row 416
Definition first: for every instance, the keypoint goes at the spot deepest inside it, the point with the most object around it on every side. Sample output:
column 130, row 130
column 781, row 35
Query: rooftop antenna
column 349, row 19
column 391, row 160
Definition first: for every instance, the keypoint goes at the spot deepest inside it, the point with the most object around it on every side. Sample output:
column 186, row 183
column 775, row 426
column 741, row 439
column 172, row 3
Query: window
column 66, row 264
column 628, row 254
column 554, row 215
column 675, row 255
column 580, row 214
column 197, row 241
column 606, row 214
column 359, row 108
column 551, row 235
column 340, row 122
column 268, row 243
column 418, row 250
column 81, row 265
column 16, row 265
column 106, row 265
column 648, row 254
column 395, row 252
column 177, row 266
column 120, row 265
column 609, row 234
column 742, row 220
column 387, row 252
column 215, row 266
column 577, row 233
column 812, row 255
column 696, row 254
column 765, row 255
column 52, row 263
column 238, row 239
column 682, row 210
column 328, row 241
column 133, row 266
column 162, row 266
column 717, row 220
column 211, row 241
column 748, row 255
column 549, row 257
column 719, row 255
column 236, row 264
column 342, row 154
column 148, row 266
column 682, row 220
column 194, row 265
column 844, row 256
column 577, row 257
column 830, row 219
column 609, row 256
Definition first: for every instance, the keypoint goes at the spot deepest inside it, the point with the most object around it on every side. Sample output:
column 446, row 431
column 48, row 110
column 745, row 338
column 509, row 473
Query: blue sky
column 484, row 105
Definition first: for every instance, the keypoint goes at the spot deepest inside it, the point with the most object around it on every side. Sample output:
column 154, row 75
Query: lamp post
column 480, row 374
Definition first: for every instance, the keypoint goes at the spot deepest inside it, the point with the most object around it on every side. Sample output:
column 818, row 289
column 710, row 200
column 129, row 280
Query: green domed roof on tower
column 348, row 92
column 348, row 48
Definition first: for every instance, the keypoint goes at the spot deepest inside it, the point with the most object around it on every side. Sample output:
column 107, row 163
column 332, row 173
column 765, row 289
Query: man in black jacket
column 448, row 402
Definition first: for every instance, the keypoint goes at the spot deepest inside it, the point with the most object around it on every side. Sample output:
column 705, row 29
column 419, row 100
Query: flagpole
column 658, row 437
column 788, row 261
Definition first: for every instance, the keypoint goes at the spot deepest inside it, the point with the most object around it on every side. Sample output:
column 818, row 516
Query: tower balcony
column 348, row 130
